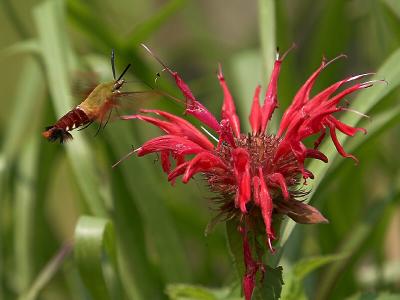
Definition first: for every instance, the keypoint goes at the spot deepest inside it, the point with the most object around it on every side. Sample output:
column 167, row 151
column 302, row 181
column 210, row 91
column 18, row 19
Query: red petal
column 251, row 267
column 278, row 178
column 271, row 99
column 241, row 164
column 183, row 128
column 203, row 162
column 313, row 153
column 346, row 129
column 338, row 146
column 299, row 100
column 255, row 114
column 225, row 133
column 228, row 107
column 165, row 162
column 320, row 138
column 267, row 207
column 193, row 107
column 176, row 144
column 256, row 190
column 179, row 170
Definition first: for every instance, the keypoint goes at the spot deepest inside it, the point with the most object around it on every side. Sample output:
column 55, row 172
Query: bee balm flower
column 256, row 175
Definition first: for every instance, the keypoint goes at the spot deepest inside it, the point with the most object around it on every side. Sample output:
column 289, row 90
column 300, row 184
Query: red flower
column 256, row 175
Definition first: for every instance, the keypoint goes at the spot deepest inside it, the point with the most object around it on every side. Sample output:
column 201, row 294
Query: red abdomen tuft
column 71, row 120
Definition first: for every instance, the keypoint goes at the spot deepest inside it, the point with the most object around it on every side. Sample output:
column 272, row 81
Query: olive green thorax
column 101, row 93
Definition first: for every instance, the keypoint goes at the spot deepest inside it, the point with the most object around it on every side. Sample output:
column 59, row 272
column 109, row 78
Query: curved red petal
column 175, row 144
column 241, row 165
column 267, row 207
column 228, row 107
column 183, row 128
column 271, row 98
column 278, row 179
column 203, row 162
column 179, row 170
column 255, row 114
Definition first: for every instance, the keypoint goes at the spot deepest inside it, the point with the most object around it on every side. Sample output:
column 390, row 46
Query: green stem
column 14, row 18
column 267, row 26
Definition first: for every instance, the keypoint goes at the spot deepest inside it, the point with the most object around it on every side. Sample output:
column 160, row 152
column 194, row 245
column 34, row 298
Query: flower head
column 256, row 175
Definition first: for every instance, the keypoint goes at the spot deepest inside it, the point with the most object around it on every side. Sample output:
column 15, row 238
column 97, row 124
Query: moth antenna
column 156, row 58
column 123, row 72
column 113, row 62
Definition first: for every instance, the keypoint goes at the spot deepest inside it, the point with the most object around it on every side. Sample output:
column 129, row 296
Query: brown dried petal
column 300, row 212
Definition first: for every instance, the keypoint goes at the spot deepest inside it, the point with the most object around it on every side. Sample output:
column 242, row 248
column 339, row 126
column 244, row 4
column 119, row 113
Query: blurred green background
column 143, row 235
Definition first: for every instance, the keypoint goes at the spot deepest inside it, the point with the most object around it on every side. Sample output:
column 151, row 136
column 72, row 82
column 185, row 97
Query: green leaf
column 235, row 247
column 271, row 287
column 27, row 105
column 194, row 292
column 25, row 214
column 294, row 288
column 142, row 31
column 140, row 177
column 374, row 296
column 359, row 234
column 94, row 237
column 394, row 5
column 86, row 19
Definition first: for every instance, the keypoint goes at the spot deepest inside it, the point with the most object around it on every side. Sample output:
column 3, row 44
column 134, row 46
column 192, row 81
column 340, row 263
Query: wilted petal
column 301, row 212
column 228, row 107
column 313, row 153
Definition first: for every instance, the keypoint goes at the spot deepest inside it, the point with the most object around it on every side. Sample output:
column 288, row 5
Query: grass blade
column 142, row 32
column 56, row 55
column 94, row 237
column 267, row 36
